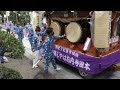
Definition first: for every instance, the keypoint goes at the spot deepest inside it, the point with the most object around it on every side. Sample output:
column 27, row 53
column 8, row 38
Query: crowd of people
column 42, row 51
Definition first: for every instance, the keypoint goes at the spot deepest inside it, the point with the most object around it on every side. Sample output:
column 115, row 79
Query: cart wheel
column 85, row 75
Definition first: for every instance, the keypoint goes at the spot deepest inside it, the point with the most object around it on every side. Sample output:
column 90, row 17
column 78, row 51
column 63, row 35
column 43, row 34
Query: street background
column 24, row 66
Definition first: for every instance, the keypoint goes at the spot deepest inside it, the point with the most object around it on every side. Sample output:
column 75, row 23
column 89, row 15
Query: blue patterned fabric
column 47, row 52
column 19, row 32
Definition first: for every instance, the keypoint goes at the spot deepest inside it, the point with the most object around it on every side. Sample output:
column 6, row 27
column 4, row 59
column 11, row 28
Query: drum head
column 73, row 32
column 56, row 28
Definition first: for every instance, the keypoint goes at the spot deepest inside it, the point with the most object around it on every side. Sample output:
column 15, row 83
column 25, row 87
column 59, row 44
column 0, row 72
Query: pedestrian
column 37, row 45
column 19, row 31
column 8, row 26
column 47, row 51
column 30, row 33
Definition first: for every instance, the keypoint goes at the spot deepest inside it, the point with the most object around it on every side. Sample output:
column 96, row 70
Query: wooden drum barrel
column 78, row 31
column 58, row 28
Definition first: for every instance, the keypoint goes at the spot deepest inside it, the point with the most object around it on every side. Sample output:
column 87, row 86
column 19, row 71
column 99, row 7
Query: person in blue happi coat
column 30, row 33
column 37, row 45
column 19, row 31
column 47, row 51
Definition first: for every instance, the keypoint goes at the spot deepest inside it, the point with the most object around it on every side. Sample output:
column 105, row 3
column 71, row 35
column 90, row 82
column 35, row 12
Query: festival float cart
column 92, row 40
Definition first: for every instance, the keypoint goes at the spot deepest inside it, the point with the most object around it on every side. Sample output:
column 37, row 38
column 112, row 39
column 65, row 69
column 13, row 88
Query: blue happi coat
column 19, row 32
column 37, row 42
column 31, row 33
column 30, row 30
column 48, row 47
column 27, row 26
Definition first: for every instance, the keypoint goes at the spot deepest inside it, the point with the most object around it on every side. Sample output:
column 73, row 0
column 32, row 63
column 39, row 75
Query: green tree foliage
column 20, row 16
column 7, row 73
column 12, row 45
column 12, row 16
